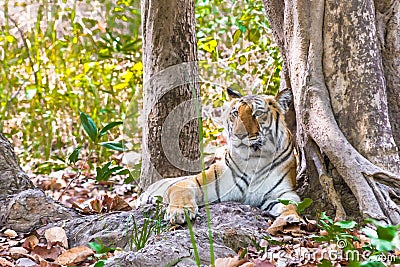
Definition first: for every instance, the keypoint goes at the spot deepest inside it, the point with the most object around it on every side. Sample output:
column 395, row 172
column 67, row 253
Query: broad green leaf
column 346, row 224
column 89, row 126
column 285, row 201
column 119, row 146
column 301, row 206
column 109, row 127
column 236, row 36
column 387, row 232
column 100, row 263
column 372, row 264
column 254, row 35
column 74, row 155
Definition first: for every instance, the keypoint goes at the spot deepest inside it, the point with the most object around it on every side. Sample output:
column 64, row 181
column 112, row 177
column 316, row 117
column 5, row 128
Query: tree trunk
column 170, row 145
column 341, row 61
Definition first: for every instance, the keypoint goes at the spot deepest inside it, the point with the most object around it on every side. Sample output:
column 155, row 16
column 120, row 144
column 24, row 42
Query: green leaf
column 346, row 224
column 285, row 201
column 119, row 146
column 96, row 247
column 109, row 127
column 236, row 36
column 301, row 206
column 387, row 232
column 100, row 263
column 73, row 158
column 254, row 35
column 89, row 126
column 372, row 264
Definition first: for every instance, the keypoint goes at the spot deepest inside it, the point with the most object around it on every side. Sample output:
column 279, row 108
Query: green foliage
column 300, row 206
column 66, row 60
column 99, row 247
column 152, row 224
column 101, row 251
column 339, row 232
column 385, row 238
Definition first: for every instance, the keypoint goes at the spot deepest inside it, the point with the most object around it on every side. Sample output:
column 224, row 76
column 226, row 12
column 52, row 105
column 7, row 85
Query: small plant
column 103, row 173
column 384, row 239
column 101, row 251
column 300, row 206
column 338, row 232
column 152, row 224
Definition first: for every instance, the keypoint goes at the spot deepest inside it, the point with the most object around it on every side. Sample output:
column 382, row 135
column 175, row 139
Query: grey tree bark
column 342, row 62
column 169, row 39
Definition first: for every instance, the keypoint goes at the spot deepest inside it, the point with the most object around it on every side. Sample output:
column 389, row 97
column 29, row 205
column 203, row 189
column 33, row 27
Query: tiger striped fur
column 258, row 167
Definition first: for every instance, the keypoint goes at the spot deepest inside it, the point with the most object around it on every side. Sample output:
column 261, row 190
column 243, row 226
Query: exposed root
column 327, row 183
column 383, row 195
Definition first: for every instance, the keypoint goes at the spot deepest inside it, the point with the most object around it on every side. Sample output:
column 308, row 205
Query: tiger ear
column 233, row 93
column 284, row 99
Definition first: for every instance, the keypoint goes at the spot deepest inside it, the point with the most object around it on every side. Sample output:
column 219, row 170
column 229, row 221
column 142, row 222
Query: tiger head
column 255, row 124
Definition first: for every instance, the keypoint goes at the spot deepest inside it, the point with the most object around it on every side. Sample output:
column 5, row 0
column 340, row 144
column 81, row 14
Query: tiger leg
column 181, row 196
column 186, row 194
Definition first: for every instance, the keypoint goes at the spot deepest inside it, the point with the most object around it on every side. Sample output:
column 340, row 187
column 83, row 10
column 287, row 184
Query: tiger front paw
column 175, row 214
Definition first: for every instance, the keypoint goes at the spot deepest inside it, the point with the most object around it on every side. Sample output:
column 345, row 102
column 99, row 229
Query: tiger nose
column 241, row 136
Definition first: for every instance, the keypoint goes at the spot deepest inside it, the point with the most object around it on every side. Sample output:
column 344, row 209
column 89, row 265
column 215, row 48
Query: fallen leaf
column 10, row 233
column 277, row 226
column 30, row 242
column 84, row 210
column 18, row 252
column 46, row 253
column 5, row 263
column 56, row 235
column 96, row 205
column 119, row 204
column 230, row 262
column 288, row 217
column 74, row 255
column 26, row 262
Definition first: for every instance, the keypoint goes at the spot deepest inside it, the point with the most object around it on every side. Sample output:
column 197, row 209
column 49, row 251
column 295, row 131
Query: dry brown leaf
column 288, row 217
column 5, row 263
column 46, row 253
column 119, row 204
column 26, row 262
column 30, row 242
column 230, row 262
column 18, row 252
column 56, row 235
column 107, row 202
column 96, row 205
column 10, row 233
column 84, row 210
column 74, row 255
column 277, row 226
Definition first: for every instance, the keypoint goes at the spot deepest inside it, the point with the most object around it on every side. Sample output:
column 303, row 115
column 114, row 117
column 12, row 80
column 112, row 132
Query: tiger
column 258, row 166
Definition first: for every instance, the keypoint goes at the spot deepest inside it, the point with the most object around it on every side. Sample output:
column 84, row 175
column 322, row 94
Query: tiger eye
column 258, row 113
column 235, row 113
